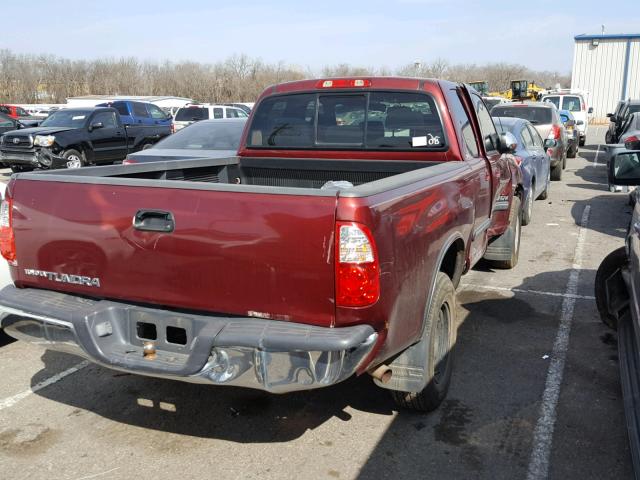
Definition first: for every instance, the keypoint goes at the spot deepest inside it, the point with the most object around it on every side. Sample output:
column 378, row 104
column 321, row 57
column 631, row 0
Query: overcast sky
column 312, row 34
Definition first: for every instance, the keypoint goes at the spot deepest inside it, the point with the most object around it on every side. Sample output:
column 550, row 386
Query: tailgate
column 255, row 254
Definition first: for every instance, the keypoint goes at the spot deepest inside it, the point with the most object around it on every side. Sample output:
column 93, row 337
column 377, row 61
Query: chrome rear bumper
column 268, row 355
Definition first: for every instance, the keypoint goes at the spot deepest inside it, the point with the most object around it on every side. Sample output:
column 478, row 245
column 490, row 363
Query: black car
column 204, row 139
column 618, row 119
column 616, row 286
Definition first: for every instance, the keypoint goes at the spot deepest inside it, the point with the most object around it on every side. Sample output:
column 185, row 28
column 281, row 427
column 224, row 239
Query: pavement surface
column 535, row 391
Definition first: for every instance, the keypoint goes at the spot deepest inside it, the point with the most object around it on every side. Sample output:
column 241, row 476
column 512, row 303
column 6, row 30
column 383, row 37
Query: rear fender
column 409, row 367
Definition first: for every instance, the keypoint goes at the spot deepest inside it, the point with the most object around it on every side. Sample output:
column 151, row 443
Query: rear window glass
column 536, row 115
column 376, row 120
column 554, row 100
column 571, row 103
column 190, row 114
column 206, row 136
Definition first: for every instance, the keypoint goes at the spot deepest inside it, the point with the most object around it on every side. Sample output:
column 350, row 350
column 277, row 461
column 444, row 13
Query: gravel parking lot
column 522, row 401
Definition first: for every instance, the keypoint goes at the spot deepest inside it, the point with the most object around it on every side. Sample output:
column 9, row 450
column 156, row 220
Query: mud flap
column 500, row 248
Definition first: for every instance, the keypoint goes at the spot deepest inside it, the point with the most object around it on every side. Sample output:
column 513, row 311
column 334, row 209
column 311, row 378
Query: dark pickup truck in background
column 330, row 246
column 76, row 137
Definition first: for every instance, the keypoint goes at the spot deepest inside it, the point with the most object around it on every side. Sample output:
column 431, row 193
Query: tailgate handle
column 154, row 221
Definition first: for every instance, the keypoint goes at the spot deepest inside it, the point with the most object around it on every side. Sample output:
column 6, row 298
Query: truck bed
column 268, row 172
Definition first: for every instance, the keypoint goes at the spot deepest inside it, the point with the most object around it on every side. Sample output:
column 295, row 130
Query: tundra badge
column 64, row 277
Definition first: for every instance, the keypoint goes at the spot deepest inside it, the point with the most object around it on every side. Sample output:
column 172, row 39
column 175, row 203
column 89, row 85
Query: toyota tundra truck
column 330, row 246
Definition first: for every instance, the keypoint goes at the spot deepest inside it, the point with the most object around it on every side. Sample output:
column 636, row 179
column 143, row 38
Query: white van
column 193, row 113
column 576, row 103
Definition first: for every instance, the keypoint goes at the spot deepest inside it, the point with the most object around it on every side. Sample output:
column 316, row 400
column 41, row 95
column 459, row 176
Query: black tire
column 527, row 211
column 573, row 151
column 440, row 333
column 612, row 262
column 75, row 157
column 19, row 168
column 608, row 139
column 582, row 141
column 515, row 219
column 556, row 172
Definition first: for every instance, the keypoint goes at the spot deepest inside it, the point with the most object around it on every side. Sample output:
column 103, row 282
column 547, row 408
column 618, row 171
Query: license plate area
column 167, row 332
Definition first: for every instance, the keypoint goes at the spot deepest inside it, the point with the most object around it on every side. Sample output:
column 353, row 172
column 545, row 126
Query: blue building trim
column 625, row 75
column 620, row 36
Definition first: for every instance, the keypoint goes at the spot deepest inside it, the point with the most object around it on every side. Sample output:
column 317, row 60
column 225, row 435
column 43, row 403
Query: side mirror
column 612, row 117
column 609, row 115
column 590, row 110
column 19, row 126
column 580, row 122
column 550, row 143
column 507, row 143
column 624, row 168
column 95, row 126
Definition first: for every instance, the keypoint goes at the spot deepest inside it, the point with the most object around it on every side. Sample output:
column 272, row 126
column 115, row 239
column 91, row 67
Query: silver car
column 546, row 120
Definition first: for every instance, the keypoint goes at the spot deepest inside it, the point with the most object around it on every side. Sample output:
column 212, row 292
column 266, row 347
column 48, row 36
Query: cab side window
column 156, row 112
column 461, row 119
column 537, row 139
column 487, row 128
column 121, row 107
column 108, row 119
column 218, row 113
column 139, row 110
column 527, row 140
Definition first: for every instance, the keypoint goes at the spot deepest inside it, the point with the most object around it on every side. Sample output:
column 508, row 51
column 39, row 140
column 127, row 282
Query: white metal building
column 608, row 67
column 160, row 101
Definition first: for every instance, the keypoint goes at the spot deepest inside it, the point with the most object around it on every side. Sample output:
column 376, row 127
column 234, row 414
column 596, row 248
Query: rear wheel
column 573, row 151
column 582, row 141
column 440, row 333
column 556, row 172
column 611, row 264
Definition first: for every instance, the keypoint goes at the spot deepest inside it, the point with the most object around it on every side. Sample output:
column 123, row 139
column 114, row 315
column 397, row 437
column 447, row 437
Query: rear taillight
column 7, row 240
column 128, row 161
column 357, row 266
column 554, row 134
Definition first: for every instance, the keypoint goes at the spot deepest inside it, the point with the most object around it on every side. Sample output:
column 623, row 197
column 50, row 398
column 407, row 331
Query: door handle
column 154, row 221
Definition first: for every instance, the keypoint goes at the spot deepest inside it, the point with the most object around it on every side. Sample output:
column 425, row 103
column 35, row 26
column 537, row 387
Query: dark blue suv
column 139, row 113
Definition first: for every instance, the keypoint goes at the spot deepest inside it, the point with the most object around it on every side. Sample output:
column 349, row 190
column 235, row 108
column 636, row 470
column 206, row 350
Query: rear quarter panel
column 411, row 227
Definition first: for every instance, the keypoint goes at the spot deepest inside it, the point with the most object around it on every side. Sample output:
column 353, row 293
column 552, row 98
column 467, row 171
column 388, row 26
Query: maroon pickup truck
column 330, row 246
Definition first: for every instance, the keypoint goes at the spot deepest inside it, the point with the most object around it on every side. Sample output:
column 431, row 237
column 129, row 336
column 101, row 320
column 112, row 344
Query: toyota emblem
column 16, row 140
